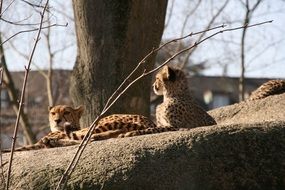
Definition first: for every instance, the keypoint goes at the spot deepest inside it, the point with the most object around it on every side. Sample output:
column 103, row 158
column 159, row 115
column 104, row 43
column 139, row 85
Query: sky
column 264, row 44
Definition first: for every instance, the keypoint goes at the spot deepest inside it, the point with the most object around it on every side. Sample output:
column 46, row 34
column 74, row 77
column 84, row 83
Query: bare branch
column 27, row 68
column 83, row 144
column 169, row 15
column 33, row 5
column 62, row 11
column 26, row 57
column 203, row 34
column 1, row 5
column 247, row 19
column 1, row 159
column 1, row 78
column 32, row 30
column 50, row 71
column 188, row 16
column 18, row 23
column 2, row 12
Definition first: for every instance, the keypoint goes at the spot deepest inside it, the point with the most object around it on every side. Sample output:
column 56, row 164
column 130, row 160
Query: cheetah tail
column 148, row 131
column 26, row 148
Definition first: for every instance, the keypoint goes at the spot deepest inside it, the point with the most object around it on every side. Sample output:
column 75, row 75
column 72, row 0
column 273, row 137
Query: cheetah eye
column 66, row 113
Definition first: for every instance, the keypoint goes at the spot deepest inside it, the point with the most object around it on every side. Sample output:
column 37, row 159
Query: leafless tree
column 12, row 92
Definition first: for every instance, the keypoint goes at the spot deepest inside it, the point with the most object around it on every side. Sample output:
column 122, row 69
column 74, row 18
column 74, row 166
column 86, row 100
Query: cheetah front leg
column 51, row 142
column 107, row 135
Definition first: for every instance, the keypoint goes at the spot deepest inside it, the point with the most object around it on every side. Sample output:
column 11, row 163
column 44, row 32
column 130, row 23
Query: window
column 4, row 98
column 220, row 100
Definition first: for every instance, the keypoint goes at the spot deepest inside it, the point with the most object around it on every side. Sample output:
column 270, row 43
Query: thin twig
column 203, row 34
column 63, row 180
column 191, row 12
column 2, row 12
column 32, row 30
column 27, row 68
column 1, row 159
column 33, row 5
column 18, row 23
column 247, row 18
column 26, row 57
column 169, row 14
column 1, row 5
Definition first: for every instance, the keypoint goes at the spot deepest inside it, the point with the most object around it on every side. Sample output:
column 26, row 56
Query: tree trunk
column 112, row 37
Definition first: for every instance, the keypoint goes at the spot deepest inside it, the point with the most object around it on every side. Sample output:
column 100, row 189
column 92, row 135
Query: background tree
column 30, row 136
column 112, row 37
column 247, row 18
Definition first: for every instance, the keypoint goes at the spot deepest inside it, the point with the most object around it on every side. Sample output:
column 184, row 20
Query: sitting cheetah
column 269, row 88
column 178, row 109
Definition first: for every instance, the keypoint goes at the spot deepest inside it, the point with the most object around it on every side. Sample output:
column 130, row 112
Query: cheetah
column 178, row 109
column 271, row 87
column 59, row 116
column 108, row 127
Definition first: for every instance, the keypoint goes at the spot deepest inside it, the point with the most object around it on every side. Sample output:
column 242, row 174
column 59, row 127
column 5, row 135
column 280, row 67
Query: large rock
column 271, row 108
column 227, row 156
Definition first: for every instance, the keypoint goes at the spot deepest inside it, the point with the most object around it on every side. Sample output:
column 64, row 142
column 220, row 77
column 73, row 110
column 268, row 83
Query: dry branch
column 203, row 34
column 27, row 69
column 32, row 30
column 17, row 23
column 1, row 160
column 1, row 78
column 83, row 144
column 2, row 12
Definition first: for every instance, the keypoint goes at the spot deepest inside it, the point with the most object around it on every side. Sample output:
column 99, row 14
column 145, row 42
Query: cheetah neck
column 177, row 95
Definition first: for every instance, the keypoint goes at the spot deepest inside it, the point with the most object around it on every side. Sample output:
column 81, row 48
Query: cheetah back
column 269, row 88
column 114, row 125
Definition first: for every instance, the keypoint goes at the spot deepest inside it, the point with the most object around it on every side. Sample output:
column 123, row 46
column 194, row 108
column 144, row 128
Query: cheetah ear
column 79, row 110
column 49, row 108
column 169, row 74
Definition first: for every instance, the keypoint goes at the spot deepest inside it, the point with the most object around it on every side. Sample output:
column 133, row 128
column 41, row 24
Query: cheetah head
column 60, row 114
column 170, row 81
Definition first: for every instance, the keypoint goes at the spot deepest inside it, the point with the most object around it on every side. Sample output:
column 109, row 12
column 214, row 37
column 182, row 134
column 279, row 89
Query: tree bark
column 112, row 37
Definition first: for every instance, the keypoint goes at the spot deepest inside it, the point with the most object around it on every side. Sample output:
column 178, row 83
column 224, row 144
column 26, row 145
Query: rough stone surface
column 271, row 108
column 244, row 153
